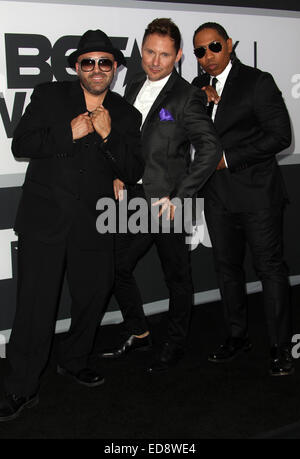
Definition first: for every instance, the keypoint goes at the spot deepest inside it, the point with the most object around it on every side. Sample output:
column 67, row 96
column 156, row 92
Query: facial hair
column 89, row 85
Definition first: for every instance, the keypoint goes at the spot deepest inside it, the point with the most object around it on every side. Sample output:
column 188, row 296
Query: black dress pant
column 175, row 261
column 262, row 230
column 40, row 273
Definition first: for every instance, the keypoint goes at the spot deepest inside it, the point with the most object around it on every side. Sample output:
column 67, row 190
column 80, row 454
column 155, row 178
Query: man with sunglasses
column 79, row 136
column 244, row 198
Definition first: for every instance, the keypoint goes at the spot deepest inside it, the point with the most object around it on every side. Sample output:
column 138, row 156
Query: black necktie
column 211, row 104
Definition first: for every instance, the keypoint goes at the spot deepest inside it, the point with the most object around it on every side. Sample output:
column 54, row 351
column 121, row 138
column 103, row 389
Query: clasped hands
column 98, row 120
column 165, row 203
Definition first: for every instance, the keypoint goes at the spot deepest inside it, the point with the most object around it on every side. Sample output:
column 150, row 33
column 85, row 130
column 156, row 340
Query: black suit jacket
column 253, row 124
column 64, row 179
column 166, row 144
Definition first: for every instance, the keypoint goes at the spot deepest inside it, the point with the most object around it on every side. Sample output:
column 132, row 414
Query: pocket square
column 165, row 115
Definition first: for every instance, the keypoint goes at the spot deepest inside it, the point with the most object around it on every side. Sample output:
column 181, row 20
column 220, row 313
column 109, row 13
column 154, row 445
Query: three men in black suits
column 244, row 198
column 174, row 117
column 79, row 136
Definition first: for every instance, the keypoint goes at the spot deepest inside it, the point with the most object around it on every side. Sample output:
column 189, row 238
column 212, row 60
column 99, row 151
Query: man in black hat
column 78, row 135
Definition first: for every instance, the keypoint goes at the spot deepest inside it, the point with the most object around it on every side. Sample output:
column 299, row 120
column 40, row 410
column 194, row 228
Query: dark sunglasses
column 214, row 46
column 87, row 65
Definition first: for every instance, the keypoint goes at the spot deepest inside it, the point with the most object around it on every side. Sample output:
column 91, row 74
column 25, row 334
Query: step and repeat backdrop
column 35, row 40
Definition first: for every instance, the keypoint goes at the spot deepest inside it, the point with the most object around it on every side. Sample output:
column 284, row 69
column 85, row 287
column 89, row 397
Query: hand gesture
column 166, row 206
column 101, row 121
column 81, row 126
column 118, row 189
column 212, row 95
column 222, row 164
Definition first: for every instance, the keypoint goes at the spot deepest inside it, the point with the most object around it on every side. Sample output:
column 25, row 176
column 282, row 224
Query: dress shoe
column 230, row 350
column 12, row 405
column 131, row 344
column 86, row 377
column 281, row 361
column 170, row 355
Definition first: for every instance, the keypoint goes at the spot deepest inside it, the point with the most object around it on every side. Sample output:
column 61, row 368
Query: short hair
column 164, row 26
column 212, row 25
column 218, row 28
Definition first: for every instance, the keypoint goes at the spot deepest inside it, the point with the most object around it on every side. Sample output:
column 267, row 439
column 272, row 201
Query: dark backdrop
column 293, row 5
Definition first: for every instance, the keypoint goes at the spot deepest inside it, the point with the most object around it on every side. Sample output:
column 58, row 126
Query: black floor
column 195, row 400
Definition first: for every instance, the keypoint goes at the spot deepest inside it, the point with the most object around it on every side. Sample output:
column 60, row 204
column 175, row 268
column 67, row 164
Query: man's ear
column 179, row 55
column 229, row 44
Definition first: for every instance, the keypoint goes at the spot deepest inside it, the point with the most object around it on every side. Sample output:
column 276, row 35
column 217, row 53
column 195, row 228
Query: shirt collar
column 159, row 83
column 223, row 76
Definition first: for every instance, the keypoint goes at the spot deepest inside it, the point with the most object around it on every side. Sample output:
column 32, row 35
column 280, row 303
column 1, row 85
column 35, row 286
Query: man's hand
column 166, row 206
column 212, row 95
column 101, row 121
column 81, row 126
column 118, row 189
column 222, row 164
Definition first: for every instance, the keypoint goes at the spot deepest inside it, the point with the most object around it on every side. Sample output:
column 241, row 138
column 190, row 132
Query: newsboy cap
column 96, row 40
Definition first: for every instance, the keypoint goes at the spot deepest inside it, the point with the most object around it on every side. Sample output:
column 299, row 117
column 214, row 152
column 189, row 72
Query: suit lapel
column 112, row 104
column 226, row 96
column 109, row 101
column 76, row 99
column 204, row 80
column 161, row 96
column 133, row 90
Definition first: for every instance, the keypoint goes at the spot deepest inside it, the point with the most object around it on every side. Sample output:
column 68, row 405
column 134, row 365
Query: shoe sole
column 30, row 404
column 113, row 356
column 63, row 372
column 244, row 349
column 154, row 371
column 161, row 367
column 284, row 373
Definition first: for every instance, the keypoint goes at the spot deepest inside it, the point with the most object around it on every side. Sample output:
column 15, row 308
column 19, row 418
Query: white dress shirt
column 147, row 95
column 219, row 88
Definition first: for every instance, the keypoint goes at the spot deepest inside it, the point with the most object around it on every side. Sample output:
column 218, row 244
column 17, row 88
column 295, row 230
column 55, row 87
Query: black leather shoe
column 86, row 377
column 230, row 350
column 12, row 405
column 281, row 363
column 170, row 355
column 131, row 344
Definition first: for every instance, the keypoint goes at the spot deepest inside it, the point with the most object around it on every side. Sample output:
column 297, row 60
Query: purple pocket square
column 165, row 115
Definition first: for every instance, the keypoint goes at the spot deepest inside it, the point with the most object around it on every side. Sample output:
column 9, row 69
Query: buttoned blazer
column 253, row 124
column 166, row 144
column 64, row 180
